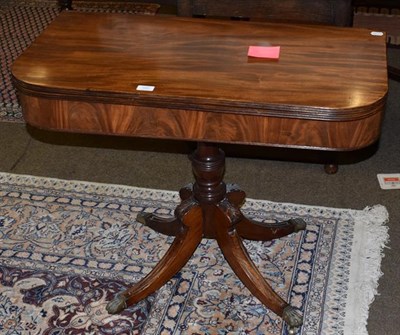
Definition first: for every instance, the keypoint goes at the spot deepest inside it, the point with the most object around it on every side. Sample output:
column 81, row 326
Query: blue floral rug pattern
column 67, row 247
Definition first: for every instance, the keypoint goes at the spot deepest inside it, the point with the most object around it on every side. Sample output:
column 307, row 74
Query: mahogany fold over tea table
column 191, row 79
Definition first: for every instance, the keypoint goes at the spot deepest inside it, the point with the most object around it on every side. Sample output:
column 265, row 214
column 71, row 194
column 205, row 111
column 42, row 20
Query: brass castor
column 293, row 318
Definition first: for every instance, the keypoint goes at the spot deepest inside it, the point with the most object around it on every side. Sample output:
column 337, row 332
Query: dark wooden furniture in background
column 69, row 4
column 377, row 3
column 332, row 12
column 381, row 15
column 65, row 4
column 326, row 91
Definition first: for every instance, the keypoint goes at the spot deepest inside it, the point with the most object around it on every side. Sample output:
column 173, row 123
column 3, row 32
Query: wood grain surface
column 327, row 90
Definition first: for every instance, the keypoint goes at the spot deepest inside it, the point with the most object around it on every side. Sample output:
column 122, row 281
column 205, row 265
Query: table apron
column 223, row 127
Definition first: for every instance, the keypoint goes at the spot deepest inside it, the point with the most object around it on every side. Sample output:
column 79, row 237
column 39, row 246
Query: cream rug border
column 370, row 231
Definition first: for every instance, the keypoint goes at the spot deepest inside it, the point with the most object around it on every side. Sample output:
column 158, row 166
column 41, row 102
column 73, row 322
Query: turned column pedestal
column 208, row 210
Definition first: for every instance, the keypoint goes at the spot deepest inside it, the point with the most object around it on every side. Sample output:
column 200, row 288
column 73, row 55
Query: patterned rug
column 67, row 247
column 21, row 21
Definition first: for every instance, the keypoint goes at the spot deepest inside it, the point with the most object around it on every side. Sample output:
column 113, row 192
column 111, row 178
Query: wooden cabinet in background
column 331, row 12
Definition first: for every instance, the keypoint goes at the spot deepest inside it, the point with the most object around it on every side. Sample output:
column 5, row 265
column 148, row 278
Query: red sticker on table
column 271, row 52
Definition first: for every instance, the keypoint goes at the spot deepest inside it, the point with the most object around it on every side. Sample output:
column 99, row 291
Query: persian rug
column 67, row 247
column 21, row 21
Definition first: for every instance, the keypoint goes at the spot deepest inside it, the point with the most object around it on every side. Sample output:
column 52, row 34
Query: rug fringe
column 372, row 237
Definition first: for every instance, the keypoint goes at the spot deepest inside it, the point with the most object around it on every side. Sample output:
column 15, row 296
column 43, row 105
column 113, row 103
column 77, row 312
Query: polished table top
column 326, row 90
column 328, row 81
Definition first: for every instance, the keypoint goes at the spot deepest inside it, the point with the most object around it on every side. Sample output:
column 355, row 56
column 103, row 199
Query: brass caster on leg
column 293, row 318
column 117, row 305
column 299, row 224
column 141, row 218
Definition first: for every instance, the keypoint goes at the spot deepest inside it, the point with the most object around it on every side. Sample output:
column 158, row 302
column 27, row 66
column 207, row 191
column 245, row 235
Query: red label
column 391, row 179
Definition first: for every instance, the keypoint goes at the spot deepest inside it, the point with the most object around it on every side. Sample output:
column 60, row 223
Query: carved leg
column 174, row 259
column 253, row 230
column 165, row 226
column 260, row 231
column 209, row 211
column 169, row 226
column 236, row 255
